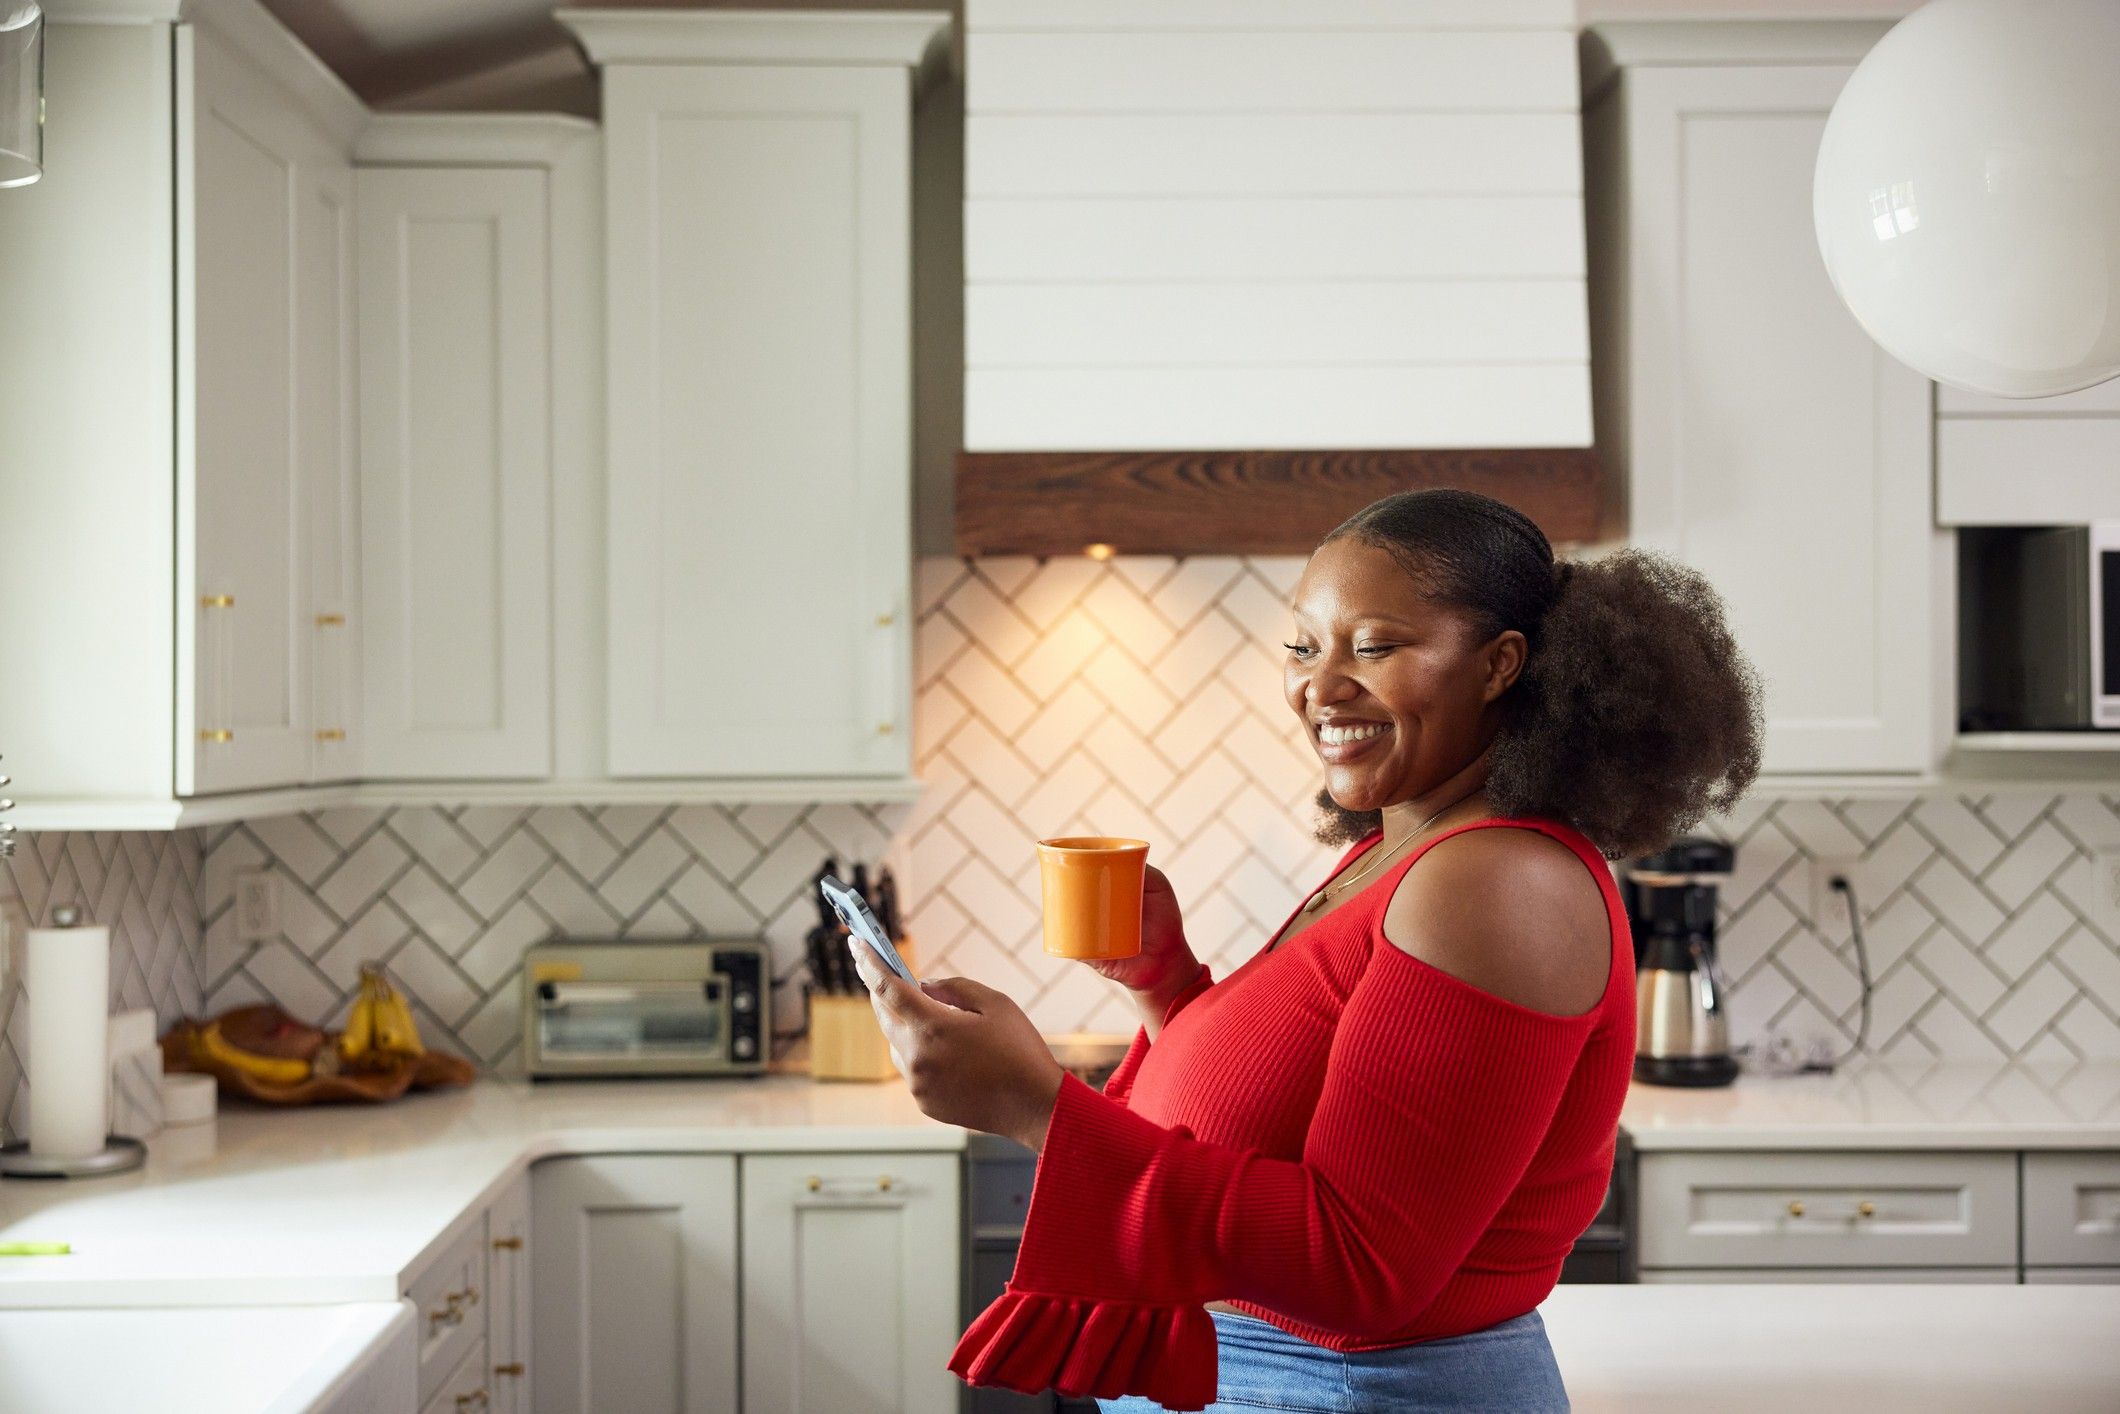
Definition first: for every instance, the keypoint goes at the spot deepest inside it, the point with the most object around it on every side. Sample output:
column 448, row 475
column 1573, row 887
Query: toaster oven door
column 631, row 1028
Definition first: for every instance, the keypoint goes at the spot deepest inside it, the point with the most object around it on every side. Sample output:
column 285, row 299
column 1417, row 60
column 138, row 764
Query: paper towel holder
column 121, row 1153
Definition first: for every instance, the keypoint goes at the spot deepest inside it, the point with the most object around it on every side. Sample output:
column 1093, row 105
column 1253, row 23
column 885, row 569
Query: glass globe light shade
column 21, row 93
column 1967, row 195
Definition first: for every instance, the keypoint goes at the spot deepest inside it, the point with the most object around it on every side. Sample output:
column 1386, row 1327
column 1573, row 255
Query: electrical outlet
column 14, row 938
column 257, row 906
column 1829, row 907
column 2105, row 889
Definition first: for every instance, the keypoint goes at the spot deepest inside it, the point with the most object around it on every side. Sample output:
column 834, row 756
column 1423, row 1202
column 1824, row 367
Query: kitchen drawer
column 1831, row 1276
column 2072, row 1209
column 2072, row 1276
column 463, row 1390
column 1001, row 1193
column 449, row 1296
column 1828, row 1210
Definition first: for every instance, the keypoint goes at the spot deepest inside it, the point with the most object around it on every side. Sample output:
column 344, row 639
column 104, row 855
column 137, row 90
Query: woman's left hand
column 967, row 1052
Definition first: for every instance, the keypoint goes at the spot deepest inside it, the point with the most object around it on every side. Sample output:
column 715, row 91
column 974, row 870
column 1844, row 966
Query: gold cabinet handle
column 477, row 1399
column 217, row 601
column 507, row 1244
column 886, row 620
column 219, row 734
column 331, row 621
column 1796, row 1207
column 1866, row 1210
column 451, row 1315
column 513, row 1367
column 886, row 728
column 470, row 1295
column 331, row 734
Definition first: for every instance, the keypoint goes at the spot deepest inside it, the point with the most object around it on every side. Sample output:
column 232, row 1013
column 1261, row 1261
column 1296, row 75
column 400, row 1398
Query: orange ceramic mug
column 1092, row 889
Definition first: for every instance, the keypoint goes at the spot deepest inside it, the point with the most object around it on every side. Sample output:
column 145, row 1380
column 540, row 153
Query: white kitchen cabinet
column 758, row 258
column 850, row 1282
column 324, row 321
column 2072, row 1209
column 1760, row 435
column 634, row 1263
column 455, row 472
column 176, row 307
column 508, row 1312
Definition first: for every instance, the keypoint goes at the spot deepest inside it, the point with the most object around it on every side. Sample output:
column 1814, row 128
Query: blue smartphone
column 853, row 910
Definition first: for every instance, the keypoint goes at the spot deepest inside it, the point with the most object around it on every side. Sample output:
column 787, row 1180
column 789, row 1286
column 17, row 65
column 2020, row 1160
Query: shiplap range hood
column 1210, row 242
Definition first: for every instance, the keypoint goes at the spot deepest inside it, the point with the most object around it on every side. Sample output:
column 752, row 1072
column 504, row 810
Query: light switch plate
column 2105, row 889
column 257, row 906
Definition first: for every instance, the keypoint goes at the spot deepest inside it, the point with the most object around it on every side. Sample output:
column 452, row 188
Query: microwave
column 2039, row 616
column 697, row 1007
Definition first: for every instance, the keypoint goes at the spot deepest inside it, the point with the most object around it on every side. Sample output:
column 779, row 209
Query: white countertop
column 341, row 1203
column 200, row 1359
column 1827, row 1349
column 1888, row 1105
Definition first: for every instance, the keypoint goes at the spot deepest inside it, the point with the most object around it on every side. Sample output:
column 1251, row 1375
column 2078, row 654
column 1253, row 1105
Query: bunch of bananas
column 380, row 1031
column 210, row 1046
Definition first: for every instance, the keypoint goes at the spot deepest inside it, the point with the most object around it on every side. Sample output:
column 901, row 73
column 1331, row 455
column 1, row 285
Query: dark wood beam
column 1243, row 503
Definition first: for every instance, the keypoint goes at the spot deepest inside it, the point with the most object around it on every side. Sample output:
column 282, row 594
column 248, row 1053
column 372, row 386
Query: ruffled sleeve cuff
column 1080, row 1315
column 1088, row 1348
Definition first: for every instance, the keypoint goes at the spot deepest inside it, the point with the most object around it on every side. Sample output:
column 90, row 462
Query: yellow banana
column 358, row 1039
column 396, row 1033
column 273, row 1070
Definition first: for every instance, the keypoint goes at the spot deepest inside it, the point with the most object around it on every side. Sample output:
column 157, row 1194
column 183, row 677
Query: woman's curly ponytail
column 1635, row 714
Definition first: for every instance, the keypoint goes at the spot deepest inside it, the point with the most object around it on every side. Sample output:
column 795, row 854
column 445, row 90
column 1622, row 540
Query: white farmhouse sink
column 209, row 1360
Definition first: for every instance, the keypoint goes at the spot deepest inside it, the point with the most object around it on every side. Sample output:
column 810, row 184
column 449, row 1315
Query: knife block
column 846, row 1043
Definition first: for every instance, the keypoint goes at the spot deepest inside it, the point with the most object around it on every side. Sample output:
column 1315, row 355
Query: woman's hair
column 1634, row 715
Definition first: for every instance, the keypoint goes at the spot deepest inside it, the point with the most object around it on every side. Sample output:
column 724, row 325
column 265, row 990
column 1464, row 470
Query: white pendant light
column 1967, row 197
column 21, row 93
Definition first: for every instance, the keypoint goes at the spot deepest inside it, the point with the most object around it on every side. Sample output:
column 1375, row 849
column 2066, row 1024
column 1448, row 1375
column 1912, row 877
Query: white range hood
column 1273, row 224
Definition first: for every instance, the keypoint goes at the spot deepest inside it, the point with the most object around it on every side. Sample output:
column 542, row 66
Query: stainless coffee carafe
column 1682, row 1033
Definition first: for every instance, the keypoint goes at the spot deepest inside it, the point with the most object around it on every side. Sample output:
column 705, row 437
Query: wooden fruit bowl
column 293, row 1039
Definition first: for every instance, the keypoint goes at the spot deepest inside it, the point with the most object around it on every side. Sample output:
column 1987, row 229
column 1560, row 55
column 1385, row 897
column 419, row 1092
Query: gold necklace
column 1317, row 900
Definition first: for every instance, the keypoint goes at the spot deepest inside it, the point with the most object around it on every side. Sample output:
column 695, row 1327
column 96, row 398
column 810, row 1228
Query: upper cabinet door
column 325, row 416
column 243, row 617
column 455, row 473
column 760, row 409
column 1771, row 443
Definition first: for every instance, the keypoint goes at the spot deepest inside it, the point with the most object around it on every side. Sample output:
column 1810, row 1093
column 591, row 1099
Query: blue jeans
column 1506, row 1368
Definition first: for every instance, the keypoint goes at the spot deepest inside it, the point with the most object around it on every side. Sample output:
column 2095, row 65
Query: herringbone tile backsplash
column 145, row 888
column 1137, row 696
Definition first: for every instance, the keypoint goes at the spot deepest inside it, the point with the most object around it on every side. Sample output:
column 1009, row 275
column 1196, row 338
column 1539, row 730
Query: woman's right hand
column 1165, row 965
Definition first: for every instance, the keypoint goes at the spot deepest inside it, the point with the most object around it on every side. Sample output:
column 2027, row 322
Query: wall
column 1142, row 697
column 145, row 888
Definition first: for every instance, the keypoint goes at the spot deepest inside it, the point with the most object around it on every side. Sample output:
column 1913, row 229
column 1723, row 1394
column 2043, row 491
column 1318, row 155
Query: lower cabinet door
column 465, row 1390
column 851, row 1283
column 633, row 1271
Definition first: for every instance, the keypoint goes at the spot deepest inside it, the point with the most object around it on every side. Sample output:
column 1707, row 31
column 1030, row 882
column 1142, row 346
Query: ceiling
column 460, row 54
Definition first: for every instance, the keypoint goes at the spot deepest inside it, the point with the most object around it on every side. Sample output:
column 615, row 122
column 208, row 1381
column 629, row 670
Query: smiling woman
column 1344, row 1176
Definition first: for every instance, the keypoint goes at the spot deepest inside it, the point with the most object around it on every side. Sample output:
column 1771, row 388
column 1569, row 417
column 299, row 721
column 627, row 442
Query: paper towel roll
column 67, row 981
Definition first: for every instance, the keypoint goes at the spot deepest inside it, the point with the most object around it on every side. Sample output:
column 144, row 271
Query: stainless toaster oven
column 698, row 1007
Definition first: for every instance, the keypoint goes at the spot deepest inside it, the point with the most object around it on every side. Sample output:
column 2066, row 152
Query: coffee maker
column 1682, row 1033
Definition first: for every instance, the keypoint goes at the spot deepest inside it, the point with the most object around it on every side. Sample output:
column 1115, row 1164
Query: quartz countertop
column 1879, row 1104
column 341, row 1203
column 1835, row 1349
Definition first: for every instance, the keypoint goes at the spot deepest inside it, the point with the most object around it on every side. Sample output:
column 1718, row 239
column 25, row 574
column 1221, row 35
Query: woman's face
column 1396, row 690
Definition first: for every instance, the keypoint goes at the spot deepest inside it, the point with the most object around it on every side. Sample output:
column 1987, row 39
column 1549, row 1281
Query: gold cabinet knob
column 217, row 601
column 1866, row 1210
column 886, row 728
column 886, row 620
column 331, row 621
column 1796, row 1207
column 513, row 1367
column 331, row 734
column 221, row 734
column 815, row 1183
column 507, row 1244
column 883, row 1184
